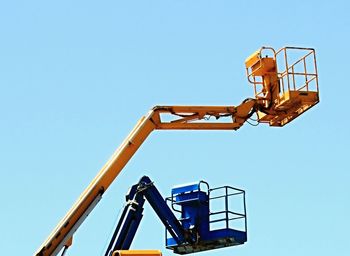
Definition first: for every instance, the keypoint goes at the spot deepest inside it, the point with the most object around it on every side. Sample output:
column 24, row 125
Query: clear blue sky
column 75, row 76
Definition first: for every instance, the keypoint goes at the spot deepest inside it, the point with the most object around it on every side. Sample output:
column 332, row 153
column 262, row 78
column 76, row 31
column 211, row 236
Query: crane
column 285, row 86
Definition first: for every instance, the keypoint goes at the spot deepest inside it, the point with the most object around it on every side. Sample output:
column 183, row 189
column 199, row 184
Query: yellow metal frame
column 137, row 253
column 183, row 118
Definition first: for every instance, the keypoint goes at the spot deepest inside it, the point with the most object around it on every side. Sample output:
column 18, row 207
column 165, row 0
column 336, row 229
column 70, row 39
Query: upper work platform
column 285, row 82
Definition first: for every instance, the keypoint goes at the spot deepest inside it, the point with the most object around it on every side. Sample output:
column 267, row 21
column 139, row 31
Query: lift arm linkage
column 182, row 118
column 132, row 214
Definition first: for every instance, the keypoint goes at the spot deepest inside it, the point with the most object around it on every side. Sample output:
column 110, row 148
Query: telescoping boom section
column 281, row 95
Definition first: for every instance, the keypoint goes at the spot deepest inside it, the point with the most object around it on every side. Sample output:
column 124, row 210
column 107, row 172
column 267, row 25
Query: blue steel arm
column 164, row 213
column 128, row 223
column 132, row 215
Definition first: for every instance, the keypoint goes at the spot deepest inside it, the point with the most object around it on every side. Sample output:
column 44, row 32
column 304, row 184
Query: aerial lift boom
column 92, row 194
column 279, row 100
column 132, row 214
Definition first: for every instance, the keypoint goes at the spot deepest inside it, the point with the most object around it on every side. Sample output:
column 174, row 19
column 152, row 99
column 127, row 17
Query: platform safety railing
column 297, row 69
column 230, row 213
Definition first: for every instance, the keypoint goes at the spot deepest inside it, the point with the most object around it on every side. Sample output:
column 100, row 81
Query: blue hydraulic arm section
column 201, row 225
column 132, row 214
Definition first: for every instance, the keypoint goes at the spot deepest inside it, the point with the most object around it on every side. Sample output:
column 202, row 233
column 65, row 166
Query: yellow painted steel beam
column 185, row 119
column 198, row 126
column 137, row 253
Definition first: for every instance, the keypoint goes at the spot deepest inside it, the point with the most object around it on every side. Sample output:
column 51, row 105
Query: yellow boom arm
column 184, row 118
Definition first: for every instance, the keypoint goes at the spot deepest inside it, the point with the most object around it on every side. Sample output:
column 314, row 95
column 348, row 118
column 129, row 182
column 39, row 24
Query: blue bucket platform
column 213, row 229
